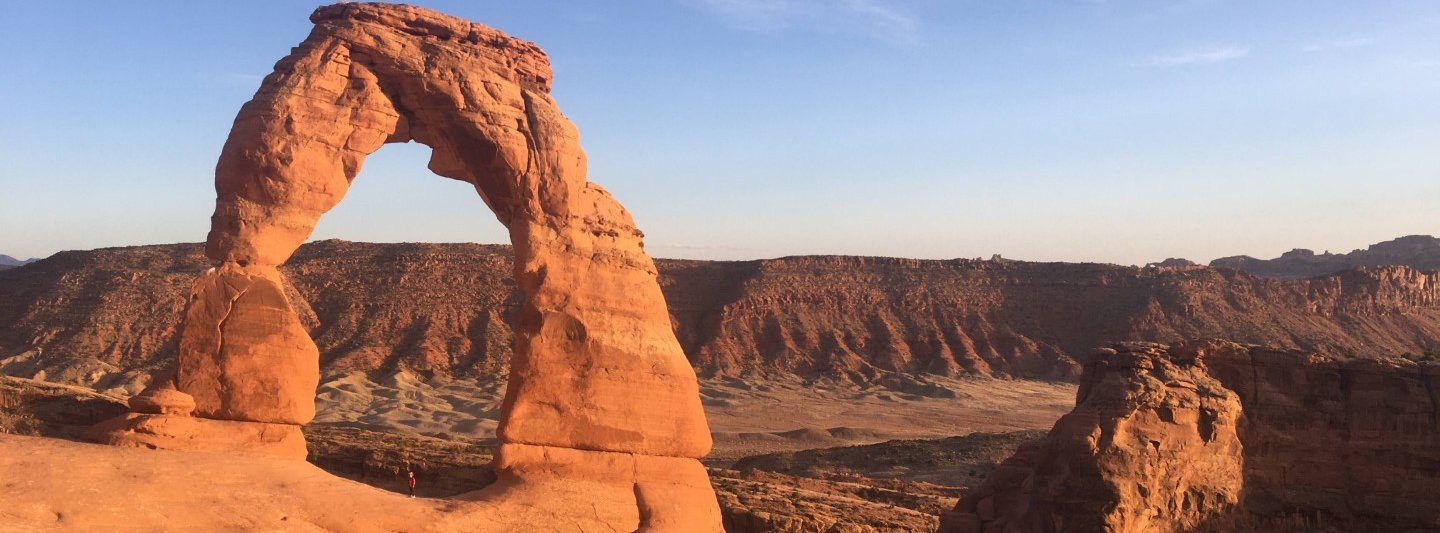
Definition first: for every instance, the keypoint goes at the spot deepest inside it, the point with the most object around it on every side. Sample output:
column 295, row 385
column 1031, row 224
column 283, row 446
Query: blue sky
column 1106, row 131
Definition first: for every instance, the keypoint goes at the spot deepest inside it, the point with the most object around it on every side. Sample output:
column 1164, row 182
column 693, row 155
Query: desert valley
column 576, row 380
column 843, row 393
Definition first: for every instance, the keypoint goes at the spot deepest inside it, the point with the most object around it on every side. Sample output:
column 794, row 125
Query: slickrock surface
column 753, row 501
column 107, row 488
column 172, row 432
column 601, row 425
column 1216, row 436
column 450, row 308
column 1415, row 251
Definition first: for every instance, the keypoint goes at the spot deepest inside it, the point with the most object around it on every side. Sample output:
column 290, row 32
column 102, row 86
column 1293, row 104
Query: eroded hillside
column 447, row 308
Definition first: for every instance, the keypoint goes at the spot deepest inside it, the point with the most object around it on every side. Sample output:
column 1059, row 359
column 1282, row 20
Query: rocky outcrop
column 1174, row 262
column 1218, row 436
column 450, row 309
column 601, row 425
column 1416, row 251
column 38, row 408
column 243, row 354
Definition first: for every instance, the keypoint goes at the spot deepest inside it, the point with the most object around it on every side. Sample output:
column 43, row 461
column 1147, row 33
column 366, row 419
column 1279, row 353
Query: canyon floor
column 747, row 416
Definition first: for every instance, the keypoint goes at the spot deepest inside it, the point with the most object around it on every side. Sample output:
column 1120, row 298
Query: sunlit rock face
column 602, row 414
column 1219, row 436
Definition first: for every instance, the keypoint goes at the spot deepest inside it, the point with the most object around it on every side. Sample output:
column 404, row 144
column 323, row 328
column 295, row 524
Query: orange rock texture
column 602, row 406
column 243, row 352
column 1218, row 436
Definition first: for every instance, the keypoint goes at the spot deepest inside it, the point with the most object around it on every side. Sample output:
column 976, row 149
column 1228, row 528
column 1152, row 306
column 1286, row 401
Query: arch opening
column 395, row 178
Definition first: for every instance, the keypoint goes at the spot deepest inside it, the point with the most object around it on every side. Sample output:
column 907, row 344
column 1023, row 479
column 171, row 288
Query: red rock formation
column 449, row 309
column 243, row 353
column 1222, row 436
column 601, row 409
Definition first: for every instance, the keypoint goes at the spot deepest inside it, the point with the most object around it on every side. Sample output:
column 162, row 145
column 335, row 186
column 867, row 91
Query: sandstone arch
column 601, row 406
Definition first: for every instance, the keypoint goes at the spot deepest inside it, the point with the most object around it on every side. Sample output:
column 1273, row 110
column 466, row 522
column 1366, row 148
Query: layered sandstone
column 450, row 309
column 601, row 424
column 1218, row 436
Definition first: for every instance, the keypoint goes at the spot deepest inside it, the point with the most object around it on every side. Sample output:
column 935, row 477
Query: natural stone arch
column 599, row 392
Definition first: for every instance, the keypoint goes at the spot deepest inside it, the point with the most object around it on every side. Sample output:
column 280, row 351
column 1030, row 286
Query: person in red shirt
column 410, row 480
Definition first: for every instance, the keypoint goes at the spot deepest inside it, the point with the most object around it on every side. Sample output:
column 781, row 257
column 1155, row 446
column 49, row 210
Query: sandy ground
column 752, row 418
column 746, row 417
column 438, row 407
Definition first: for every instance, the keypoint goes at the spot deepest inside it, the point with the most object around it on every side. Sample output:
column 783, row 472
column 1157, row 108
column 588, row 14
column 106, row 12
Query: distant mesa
column 1174, row 262
column 11, row 262
column 1416, row 251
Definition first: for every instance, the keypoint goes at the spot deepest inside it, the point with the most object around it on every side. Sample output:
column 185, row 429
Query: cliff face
column 449, row 308
column 1415, row 251
column 859, row 315
column 1219, row 436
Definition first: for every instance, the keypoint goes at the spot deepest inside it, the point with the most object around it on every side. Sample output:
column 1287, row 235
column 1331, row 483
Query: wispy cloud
column 1198, row 56
column 1337, row 44
column 887, row 20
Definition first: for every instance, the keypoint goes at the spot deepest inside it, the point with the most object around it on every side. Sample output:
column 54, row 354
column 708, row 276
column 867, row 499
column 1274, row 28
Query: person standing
column 410, row 480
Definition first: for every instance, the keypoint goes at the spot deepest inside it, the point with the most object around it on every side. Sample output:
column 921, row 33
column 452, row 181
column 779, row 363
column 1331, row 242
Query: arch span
column 599, row 390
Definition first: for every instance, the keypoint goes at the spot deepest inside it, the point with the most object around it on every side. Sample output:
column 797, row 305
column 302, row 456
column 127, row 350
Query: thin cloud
column 1338, row 44
column 1202, row 56
column 883, row 19
column 887, row 20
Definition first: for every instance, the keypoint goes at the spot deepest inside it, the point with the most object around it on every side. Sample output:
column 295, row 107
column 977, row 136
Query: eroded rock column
column 1153, row 444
